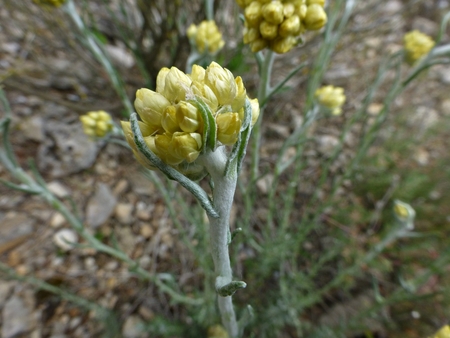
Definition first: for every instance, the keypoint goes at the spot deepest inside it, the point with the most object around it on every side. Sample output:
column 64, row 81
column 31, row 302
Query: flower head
column 331, row 98
column 206, row 37
column 172, row 120
column 97, row 124
column 403, row 211
column 417, row 45
column 278, row 24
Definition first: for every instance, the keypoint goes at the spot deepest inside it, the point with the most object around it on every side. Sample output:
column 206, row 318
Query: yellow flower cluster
column 331, row 98
column 97, row 123
column 172, row 124
column 417, row 45
column 53, row 3
column 277, row 24
column 206, row 37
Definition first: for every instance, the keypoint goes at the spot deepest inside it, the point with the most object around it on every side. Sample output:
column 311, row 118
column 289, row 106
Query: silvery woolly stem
column 223, row 194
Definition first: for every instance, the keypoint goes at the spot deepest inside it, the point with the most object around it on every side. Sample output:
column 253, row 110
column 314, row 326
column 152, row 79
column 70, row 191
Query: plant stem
column 223, row 194
column 265, row 72
column 100, row 55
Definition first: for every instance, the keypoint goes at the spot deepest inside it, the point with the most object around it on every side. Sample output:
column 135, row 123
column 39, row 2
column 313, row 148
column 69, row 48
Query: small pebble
column 65, row 239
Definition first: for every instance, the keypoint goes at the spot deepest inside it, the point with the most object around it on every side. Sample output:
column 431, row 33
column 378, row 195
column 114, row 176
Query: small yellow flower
column 187, row 145
column 150, row 105
column 444, row 332
column 188, row 117
column 228, row 128
column 97, row 123
column 169, row 120
column 417, row 45
column 331, row 97
column 315, row 17
column 273, row 12
column 206, row 37
column 255, row 110
column 222, row 83
column 403, row 211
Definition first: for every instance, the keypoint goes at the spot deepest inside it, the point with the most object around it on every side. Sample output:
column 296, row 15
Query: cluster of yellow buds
column 277, row 24
column 417, row 45
column 97, row 124
column 206, row 37
column 173, row 125
column 331, row 97
column 53, row 3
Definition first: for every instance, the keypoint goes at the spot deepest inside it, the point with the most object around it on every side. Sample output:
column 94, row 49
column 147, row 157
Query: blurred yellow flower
column 206, row 37
column 53, row 3
column 277, row 25
column 403, row 211
column 331, row 98
column 97, row 124
column 417, row 45
column 444, row 332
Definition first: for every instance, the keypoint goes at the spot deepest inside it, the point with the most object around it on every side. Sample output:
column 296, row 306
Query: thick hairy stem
column 223, row 194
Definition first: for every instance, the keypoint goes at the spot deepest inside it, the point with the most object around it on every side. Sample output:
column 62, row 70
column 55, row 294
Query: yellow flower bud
column 444, row 332
column 258, row 45
column 222, row 83
column 206, row 37
column 191, row 31
column 417, row 45
column 150, row 105
column 187, row 145
column 169, row 120
column 302, row 10
column 290, row 26
column 206, row 93
column 251, row 34
column 315, row 17
column 198, row 73
column 319, row 2
column 403, row 211
column 255, row 110
column 253, row 14
column 165, row 149
column 188, row 117
column 149, row 140
column 174, row 85
column 283, row 45
column 97, row 123
column 228, row 128
column 331, row 97
column 161, row 79
column 273, row 12
column 241, row 95
column 217, row 331
column 53, row 3
column 268, row 30
column 288, row 9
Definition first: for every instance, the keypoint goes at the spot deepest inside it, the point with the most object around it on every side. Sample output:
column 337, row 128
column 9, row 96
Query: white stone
column 57, row 220
column 58, row 189
column 65, row 239
column 124, row 213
